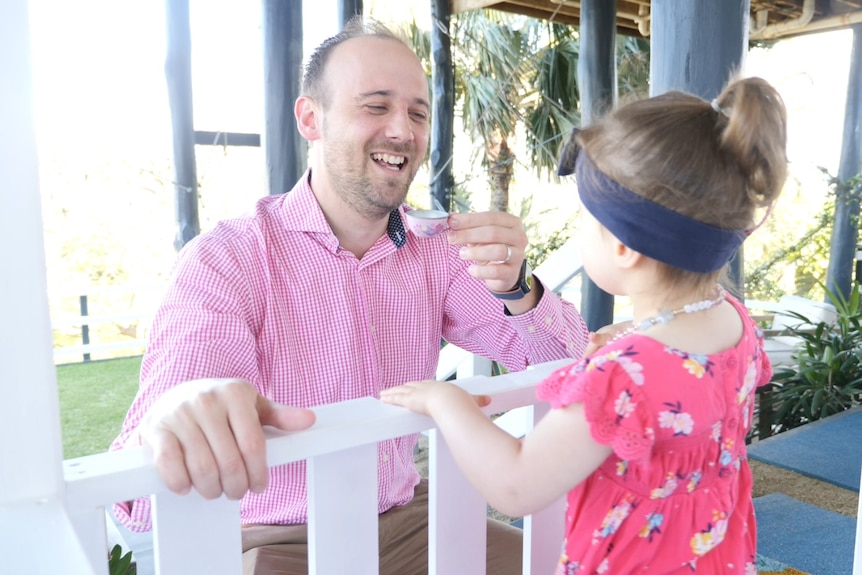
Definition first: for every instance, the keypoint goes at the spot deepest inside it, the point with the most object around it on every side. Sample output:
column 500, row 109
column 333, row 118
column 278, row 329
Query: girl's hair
column 713, row 162
column 313, row 81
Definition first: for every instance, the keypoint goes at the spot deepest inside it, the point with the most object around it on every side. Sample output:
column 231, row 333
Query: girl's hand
column 599, row 339
column 426, row 396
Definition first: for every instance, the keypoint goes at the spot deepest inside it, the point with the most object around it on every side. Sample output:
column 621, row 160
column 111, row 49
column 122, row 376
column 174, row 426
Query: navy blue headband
column 652, row 229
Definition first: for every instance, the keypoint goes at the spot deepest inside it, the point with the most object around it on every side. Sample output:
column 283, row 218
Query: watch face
column 528, row 276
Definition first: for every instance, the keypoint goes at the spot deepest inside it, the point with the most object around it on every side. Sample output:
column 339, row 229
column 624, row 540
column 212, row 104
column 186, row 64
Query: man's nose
column 399, row 127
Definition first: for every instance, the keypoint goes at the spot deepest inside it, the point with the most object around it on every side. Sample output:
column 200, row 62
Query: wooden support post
column 457, row 536
column 597, row 81
column 196, row 535
column 347, row 9
column 282, row 65
column 443, row 105
column 178, row 73
column 696, row 44
column 842, row 246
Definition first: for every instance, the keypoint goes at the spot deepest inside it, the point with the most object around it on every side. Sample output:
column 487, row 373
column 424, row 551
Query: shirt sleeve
column 201, row 329
column 477, row 321
column 614, row 406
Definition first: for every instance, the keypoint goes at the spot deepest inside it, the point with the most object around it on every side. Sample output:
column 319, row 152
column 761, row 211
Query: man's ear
column 308, row 118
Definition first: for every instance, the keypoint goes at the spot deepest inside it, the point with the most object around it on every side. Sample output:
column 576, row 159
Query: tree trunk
column 502, row 170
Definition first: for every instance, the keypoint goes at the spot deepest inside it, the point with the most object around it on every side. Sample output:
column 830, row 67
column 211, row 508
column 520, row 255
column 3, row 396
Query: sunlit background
column 104, row 131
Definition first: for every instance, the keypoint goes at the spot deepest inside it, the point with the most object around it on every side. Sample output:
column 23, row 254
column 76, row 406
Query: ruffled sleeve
column 609, row 386
column 755, row 333
column 765, row 372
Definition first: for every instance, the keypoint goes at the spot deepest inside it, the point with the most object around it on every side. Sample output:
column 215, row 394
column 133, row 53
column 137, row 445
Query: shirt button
column 385, row 457
column 371, row 328
column 531, row 329
column 549, row 320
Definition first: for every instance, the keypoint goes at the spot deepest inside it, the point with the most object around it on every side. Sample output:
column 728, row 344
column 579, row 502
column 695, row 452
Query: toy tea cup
column 427, row 223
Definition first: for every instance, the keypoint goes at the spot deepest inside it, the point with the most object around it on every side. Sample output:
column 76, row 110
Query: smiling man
column 323, row 295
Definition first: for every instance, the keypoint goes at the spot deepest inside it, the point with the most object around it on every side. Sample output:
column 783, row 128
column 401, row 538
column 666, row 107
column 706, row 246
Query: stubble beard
column 353, row 184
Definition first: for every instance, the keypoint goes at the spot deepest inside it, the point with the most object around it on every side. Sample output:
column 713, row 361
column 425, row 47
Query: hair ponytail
column 755, row 135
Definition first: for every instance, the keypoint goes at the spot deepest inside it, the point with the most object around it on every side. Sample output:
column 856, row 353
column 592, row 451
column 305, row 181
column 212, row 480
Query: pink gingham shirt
column 273, row 299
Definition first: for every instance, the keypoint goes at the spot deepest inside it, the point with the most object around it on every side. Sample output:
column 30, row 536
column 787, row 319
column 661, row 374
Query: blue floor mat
column 828, row 449
column 803, row 536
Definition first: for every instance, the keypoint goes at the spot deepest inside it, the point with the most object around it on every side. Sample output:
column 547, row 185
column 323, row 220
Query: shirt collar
column 303, row 214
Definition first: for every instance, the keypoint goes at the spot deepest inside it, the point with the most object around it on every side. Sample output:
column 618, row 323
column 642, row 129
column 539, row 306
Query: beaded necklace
column 665, row 316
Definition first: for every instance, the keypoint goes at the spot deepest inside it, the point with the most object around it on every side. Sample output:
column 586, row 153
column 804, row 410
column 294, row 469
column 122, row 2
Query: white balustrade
column 192, row 535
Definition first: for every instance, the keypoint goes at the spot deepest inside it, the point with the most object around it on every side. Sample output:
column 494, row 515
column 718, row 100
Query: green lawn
column 94, row 398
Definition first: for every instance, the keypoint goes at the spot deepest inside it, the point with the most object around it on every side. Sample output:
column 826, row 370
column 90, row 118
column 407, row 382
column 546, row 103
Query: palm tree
column 514, row 70
column 510, row 71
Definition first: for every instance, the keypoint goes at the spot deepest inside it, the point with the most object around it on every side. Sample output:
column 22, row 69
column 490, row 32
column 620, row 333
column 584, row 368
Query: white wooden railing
column 192, row 535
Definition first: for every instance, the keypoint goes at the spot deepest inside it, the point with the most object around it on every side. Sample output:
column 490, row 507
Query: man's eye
column 377, row 109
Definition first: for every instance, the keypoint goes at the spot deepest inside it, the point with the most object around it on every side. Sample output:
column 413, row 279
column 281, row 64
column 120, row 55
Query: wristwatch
column 522, row 287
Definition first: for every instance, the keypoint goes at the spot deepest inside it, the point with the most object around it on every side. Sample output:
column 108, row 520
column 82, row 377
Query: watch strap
column 522, row 287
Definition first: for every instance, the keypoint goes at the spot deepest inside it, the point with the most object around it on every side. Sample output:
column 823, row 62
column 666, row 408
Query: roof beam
column 459, row 6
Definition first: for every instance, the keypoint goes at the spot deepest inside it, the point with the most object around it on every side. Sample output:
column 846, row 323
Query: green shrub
column 827, row 375
column 119, row 564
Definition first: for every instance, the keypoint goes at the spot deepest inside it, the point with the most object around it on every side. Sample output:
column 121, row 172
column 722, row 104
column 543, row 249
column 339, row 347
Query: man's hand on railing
column 208, row 434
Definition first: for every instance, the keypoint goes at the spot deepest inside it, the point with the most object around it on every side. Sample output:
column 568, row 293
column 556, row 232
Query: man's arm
column 537, row 328
column 198, row 407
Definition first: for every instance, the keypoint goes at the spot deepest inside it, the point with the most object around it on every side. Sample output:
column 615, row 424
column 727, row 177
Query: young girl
column 647, row 434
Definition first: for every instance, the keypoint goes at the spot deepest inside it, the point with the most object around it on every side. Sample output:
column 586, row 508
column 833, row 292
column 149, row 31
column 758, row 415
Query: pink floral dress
column 675, row 495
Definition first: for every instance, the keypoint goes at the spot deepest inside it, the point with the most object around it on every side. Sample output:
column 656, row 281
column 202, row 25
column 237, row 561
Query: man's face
column 375, row 123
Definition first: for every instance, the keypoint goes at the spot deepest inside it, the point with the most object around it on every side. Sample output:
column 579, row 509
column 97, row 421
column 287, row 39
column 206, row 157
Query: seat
column 781, row 343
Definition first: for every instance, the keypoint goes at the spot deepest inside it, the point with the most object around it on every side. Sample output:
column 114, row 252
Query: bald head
column 314, row 83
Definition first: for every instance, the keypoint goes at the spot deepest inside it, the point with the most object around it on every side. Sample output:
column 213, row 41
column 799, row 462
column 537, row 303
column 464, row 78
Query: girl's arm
column 517, row 477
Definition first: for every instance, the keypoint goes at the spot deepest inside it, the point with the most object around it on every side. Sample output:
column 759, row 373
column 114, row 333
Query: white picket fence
column 96, row 317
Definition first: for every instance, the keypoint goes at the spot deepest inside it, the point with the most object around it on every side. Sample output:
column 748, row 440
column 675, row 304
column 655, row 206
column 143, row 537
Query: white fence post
column 342, row 512
column 474, row 365
column 543, row 530
column 194, row 535
column 90, row 526
column 457, row 533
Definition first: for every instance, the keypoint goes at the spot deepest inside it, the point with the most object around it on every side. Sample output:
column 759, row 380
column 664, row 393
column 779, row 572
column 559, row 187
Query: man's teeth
column 393, row 160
